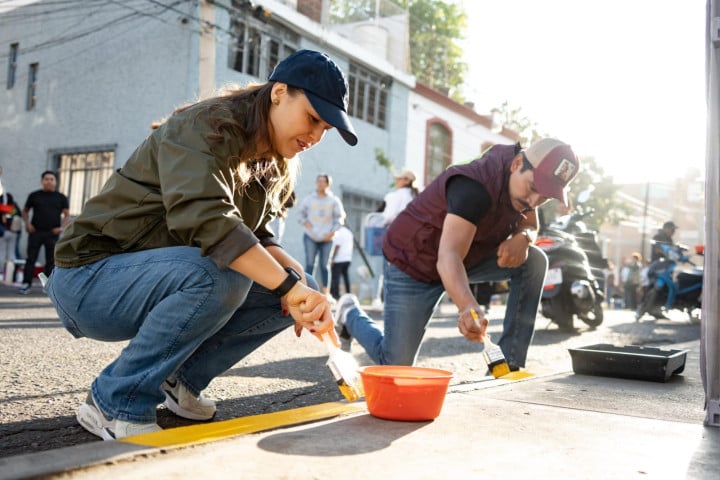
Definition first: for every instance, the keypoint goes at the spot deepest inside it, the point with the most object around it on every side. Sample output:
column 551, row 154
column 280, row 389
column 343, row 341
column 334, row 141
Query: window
column 32, row 87
column 259, row 46
column 83, row 173
column 439, row 149
column 12, row 65
column 368, row 95
column 357, row 205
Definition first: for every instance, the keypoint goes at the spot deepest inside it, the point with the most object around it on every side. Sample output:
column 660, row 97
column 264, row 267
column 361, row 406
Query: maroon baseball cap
column 554, row 167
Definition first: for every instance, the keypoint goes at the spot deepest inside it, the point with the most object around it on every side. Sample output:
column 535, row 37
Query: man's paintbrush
column 493, row 355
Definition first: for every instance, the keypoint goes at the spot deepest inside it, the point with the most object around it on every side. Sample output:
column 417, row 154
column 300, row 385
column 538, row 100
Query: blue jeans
column 182, row 314
column 409, row 305
column 322, row 251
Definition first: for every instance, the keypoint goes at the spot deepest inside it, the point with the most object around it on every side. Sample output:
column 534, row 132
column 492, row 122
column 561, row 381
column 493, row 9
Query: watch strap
column 289, row 282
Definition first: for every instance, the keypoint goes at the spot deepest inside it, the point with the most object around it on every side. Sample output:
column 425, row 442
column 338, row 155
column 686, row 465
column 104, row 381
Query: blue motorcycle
column 670, row 288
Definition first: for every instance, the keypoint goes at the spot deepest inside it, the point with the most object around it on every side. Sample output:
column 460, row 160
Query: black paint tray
column 633, row 362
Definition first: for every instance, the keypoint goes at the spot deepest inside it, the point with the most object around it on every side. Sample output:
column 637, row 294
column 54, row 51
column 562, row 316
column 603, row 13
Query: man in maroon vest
column 474, row 223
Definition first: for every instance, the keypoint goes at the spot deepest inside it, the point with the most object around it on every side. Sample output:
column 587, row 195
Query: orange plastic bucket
column 404, row 393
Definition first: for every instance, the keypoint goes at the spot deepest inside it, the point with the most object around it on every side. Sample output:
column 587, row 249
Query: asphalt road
column 46, row 373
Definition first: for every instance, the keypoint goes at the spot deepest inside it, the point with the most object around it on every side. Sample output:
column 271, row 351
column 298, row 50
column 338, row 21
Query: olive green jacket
column 176, row 189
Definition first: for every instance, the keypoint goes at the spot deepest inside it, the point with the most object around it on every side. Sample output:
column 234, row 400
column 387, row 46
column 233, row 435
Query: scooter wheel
column 562, row 316
column 597, row 315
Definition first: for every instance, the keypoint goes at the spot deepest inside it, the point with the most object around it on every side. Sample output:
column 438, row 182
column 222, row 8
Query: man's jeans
column 322, row 251
column 409, row 305
column 38, row 239
column 182, row 314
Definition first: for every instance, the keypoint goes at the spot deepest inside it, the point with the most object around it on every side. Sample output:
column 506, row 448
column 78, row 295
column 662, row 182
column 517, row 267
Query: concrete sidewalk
column 557, row 426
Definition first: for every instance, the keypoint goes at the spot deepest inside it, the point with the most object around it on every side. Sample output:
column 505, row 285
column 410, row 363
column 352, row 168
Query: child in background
column 342, row 252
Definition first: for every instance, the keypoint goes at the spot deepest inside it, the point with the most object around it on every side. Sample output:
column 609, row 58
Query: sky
column 622, row 81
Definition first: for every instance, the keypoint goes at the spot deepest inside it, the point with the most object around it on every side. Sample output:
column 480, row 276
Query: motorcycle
column 586, row 240
column 671, row 288
column 573, row 286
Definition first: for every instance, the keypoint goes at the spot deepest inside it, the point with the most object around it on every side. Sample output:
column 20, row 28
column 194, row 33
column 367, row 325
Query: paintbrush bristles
column 345, row 371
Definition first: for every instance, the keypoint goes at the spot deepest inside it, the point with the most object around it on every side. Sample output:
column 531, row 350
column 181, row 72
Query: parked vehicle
column 574, row 285
column 586, row 239
column 670, row 287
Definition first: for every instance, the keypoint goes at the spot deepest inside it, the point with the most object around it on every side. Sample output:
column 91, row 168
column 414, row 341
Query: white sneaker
column 92, row 419
column 180, row 401
column 346, row 303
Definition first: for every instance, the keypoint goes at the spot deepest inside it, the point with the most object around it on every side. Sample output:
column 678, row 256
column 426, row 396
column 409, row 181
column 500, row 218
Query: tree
column 435, row 27
column 514, row 119
column 435, row 56
column 604, row 202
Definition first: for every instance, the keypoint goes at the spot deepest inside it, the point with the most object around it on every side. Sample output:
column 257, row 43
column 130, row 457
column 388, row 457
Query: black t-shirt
column 47, row 208
column 467, row 198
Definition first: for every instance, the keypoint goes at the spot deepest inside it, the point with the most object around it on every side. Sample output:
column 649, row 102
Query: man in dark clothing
column 475, row 222
column 50, row 211
column 663, row 236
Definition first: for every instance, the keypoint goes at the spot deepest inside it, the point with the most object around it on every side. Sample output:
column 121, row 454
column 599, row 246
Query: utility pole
column 644, row 223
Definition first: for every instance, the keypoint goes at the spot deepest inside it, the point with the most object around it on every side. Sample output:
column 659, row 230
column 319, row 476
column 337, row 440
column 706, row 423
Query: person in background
column 663, row 236
column 475, row 222
column 50, row 213
column 610, row 284
column 322, row 214
column 13, row 220
column 10, row 227
column 397, row 199
column 630, row 276
column 174, row 255
column 340, row 259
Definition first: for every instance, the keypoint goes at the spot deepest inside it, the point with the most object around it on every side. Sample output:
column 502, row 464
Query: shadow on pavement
column 369, row 435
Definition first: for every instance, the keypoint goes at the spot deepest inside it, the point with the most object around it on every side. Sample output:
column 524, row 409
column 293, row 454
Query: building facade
column 86, row 81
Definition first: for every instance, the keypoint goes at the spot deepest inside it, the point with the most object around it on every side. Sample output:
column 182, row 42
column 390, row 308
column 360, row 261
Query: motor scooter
column 672, row 288
column 573, row 286
column 586, row 239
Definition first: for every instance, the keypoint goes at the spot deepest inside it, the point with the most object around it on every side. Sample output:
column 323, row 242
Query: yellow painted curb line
column 517, row 375
column 208, row 432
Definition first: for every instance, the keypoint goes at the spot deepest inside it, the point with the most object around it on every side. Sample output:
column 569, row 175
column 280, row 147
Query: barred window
column 12, row 65
column 439, row 149
column 31, row 102
column 368, row 95
column 82, row 174
column 259, row 46
column 357, row 205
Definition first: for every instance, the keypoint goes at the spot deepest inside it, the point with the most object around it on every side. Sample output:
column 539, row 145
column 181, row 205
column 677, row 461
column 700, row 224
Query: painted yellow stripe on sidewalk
column 518, row 375
column 208, row 432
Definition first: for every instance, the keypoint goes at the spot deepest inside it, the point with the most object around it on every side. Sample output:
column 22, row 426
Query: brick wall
column 311, row 9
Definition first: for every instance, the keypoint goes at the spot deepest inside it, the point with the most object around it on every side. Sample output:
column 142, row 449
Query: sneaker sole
column 174, row 407
column 87, row 418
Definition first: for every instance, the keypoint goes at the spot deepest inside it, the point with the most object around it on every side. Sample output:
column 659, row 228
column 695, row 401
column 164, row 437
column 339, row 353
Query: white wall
column 468, row 136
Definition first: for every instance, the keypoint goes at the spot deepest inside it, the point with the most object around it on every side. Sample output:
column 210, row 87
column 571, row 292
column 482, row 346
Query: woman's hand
column 471, row 328
column 311, row 310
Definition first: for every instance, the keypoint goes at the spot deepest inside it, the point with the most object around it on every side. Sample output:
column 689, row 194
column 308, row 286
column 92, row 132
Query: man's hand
column 472, row 329
column 513, row 252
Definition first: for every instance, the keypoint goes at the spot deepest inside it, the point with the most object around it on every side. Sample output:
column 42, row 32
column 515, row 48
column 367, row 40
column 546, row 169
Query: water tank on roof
column 372, row 37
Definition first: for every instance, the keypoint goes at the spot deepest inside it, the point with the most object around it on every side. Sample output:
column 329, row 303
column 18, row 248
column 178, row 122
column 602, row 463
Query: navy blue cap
column 324, row 85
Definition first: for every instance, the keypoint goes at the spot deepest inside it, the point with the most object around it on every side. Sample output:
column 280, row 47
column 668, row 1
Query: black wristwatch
column 292, row 278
